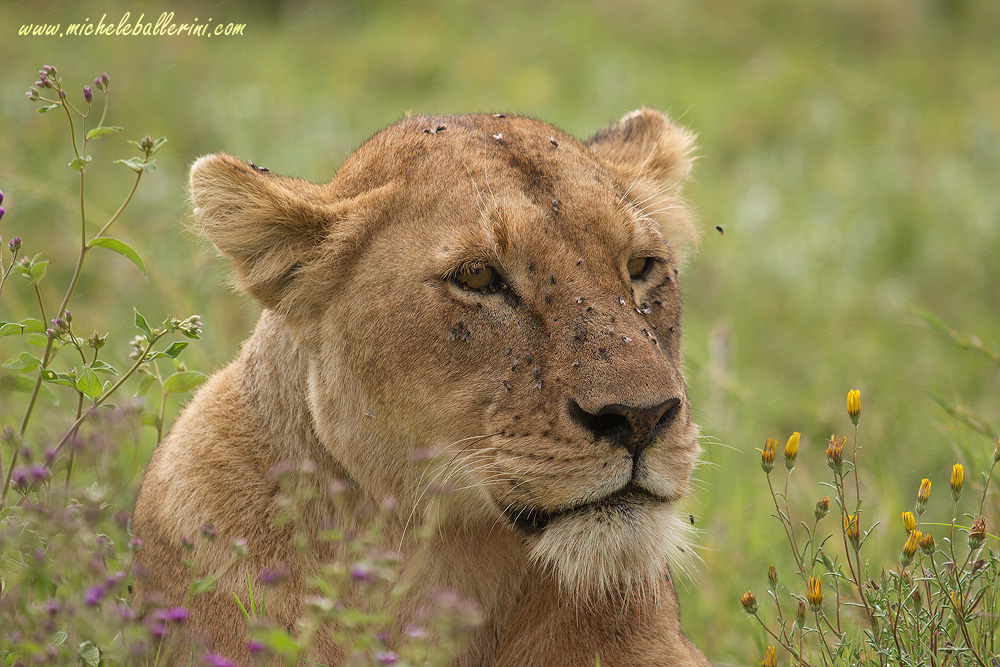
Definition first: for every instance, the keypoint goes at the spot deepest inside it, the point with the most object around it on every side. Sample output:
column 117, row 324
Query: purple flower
column 362, row 572
column 273, row 575
column 38, row 473
column 88, row 94
column 387, row 657
column 51, row 607
column 157, row 629
column 94, row 595
column 97, row 82
column 255, row 647
column 135, row 545
column 1, row 196
column 104, row 78
column 209, row 531
column 15, row 243
column 217, row 660
column 43, row 82
column 20, row 477
column 2, row 211
column 171, row 615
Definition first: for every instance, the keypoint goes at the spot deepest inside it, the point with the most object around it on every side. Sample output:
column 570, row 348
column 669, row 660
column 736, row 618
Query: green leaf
column 140, row 324
column 117, row 246
column 26, row 385
column 145, row 383
column 80, row 162
column 59, row 638
column 63, row 379
column 89, row 383
column 137, row 164
column 90, row 654
column 171, row 351
column 101, row 131
column 150, row 419
column 203, row 585
column 29, row 325
column 24, row 362
column 47, row 108
column 104, row 367
column 37, row 272
column 38, row 340
column 184, row 381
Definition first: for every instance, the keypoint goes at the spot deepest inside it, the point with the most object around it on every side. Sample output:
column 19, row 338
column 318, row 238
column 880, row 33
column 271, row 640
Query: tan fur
column 368, row 355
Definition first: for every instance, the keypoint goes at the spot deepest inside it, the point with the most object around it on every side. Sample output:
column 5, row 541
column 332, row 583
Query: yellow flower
column 854, row 406
column 909, row 522
column 957, row 474
column 923, row 494
column 910, row 548
column 852, row 530
column 767, row 455
column 814, row 594
column 770, row 657
column 791, row 450
column 749, row 602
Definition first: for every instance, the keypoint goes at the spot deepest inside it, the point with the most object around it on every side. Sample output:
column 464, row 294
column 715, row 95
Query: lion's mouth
column 621, row 502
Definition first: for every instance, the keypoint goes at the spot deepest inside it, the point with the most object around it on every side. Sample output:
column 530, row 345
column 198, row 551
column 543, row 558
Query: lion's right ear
column 270, row 226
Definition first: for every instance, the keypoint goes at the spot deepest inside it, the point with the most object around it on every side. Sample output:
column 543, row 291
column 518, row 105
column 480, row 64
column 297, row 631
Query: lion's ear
column 269, row 225
column 651, row 158
column 644, row 143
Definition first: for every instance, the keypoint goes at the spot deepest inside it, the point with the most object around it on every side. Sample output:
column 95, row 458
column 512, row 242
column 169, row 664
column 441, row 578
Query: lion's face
column 503, row 297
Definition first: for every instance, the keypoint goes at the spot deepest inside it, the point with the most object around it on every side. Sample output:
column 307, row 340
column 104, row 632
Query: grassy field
column 850, row 151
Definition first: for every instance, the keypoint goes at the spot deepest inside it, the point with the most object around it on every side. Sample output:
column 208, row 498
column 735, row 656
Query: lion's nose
column 631, row 427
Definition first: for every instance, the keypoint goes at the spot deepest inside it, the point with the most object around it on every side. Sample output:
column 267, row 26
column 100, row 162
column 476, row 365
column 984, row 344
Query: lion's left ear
column 644, row 143
column 651, row 158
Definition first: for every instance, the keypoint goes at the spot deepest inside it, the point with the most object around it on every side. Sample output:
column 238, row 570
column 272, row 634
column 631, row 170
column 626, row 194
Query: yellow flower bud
column 957, row 474
column 923, row 495
column 927, row 544
column 814, row 594
column 852, row 530
column 767, row 455
column 772, row 578
column 910, row 548
column 909, row 522
column 800, row 614
column 791, row 450
column 835, row 453
column 770, row 657
column 854, row 406
column 749, row 602
column 822, row 508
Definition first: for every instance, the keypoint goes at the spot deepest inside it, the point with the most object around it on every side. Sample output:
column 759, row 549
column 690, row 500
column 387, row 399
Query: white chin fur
column 622, row 550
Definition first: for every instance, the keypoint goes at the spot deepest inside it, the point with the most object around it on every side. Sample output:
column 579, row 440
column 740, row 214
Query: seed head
column 957, row 475
column 791, row 450
column 977, row 533
column 927, row 544
column 767, row 455
column 749, row 602
column 814, row 594
column 854, row 406
column 835, row 453
column 910, row 548
column 770, row 657
column 852, row 530
column 923, row 494
column 822, row 507
column 909, row 522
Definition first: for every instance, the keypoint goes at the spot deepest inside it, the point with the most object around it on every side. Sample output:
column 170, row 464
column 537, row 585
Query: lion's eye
column 477, row 278
column 638, row 266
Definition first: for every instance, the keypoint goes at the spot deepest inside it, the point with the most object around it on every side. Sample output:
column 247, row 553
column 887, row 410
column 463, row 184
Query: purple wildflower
column 1, row 196
column 255, row 647
column 43, row 82
column 2, row 211
column 208, row 530
column 94, row 595
column 38, row 473
column 157, row 629
column 20, row 477
column 33, row 94
column 273, row 575
column 135, row 545
column 362, row 572
column 387, row 657
column 51, row 607
column 217, row 660
column 97, row 83
column 104, row 78
column 88, row 94
column 15, row 243
column 176, row 615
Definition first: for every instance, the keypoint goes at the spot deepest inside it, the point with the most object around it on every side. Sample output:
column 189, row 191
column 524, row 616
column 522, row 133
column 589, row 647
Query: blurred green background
column 850, row 150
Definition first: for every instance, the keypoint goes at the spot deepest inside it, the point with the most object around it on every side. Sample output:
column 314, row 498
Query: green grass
column 849, row 150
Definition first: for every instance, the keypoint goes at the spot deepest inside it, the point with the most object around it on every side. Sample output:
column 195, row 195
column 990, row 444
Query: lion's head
column 487, row 288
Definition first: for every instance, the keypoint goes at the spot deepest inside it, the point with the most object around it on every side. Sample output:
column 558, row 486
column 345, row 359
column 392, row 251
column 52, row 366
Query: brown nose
column 632, row 428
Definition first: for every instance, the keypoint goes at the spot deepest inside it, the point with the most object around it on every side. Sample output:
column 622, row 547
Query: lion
column 482, row 287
